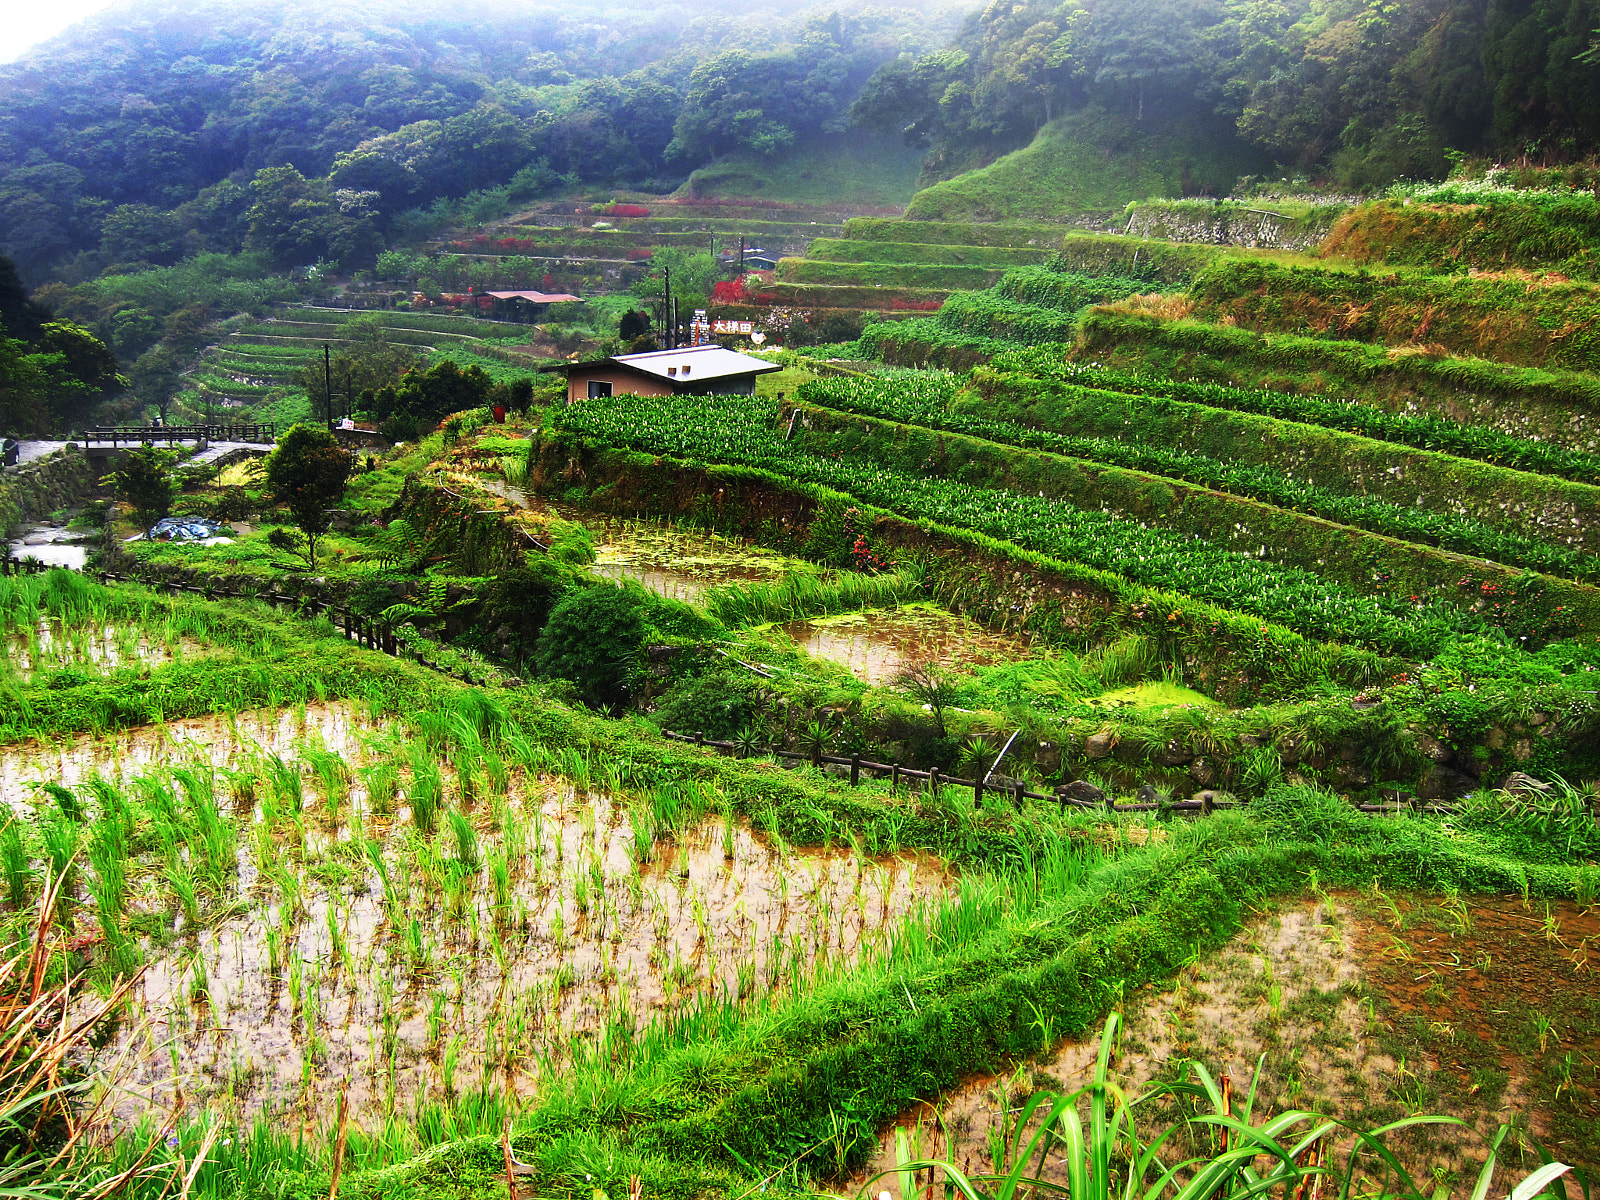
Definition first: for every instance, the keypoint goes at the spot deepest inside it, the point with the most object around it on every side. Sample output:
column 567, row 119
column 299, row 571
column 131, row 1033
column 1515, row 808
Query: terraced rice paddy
column 354, row 948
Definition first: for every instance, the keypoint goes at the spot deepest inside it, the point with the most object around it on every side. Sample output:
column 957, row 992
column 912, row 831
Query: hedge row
column 1515, row 320
column 1554, row 405
column 1563, row 236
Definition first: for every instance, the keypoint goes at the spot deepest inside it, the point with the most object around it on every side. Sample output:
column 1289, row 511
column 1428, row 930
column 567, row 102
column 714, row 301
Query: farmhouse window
column 599, row 388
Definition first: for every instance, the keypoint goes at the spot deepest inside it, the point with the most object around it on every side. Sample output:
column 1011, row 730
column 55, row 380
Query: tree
column 307, row 472
column 145, row 483
column 429, row 395
column 366, row 362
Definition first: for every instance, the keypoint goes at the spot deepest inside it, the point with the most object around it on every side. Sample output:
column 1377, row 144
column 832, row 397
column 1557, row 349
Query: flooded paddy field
column 52, row 645
column 684, row 563
column 324, row 903
column 1366, row 1006
column 878, row 644
column 245, row 740
column 423, row 970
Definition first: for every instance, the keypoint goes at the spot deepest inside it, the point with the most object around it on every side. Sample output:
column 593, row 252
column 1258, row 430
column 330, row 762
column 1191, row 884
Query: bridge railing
column 135, row 435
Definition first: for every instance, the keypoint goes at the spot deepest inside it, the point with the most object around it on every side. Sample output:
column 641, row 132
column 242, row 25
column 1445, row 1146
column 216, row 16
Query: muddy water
column 51, row 544
column 107, row 648
column 879, row 644
column 445, row 985
column 217, row 740
column 1363, row 1011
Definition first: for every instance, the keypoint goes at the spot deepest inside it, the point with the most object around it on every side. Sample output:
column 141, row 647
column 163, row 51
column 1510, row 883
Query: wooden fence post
column 894, row 779
column 855, row 769
column 933, row 783
column 977, row 792
column 1016, row 796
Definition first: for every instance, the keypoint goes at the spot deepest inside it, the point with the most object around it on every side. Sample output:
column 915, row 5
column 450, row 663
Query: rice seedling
column 285, row 784
column 15, row 862
column 180, row 879
column 425, row 793
column 466, row 839
column 332, row 774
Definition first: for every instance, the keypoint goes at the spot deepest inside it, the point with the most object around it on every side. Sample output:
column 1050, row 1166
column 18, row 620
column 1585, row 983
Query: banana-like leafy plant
column 1104, row 1156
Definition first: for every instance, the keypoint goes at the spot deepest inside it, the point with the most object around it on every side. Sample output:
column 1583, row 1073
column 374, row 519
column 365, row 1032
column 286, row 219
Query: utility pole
column 327, row 381
column 741, row 256
column 666, row 308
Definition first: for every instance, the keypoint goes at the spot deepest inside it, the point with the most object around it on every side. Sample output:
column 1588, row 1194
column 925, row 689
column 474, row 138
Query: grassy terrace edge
column 715, row 1115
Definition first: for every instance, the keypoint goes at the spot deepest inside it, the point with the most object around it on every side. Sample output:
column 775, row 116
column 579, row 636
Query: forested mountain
column 1367, row 90
column 158, row 130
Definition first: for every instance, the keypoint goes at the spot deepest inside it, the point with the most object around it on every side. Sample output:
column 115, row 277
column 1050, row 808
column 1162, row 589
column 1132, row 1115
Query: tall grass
column 803, row 594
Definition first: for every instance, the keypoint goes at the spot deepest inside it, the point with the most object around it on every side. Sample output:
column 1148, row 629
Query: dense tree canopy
column 50, row 370
column 1371, row 89
column 302, row 128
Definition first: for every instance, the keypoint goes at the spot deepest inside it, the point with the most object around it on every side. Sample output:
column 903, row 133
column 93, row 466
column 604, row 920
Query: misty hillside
column 134, row 137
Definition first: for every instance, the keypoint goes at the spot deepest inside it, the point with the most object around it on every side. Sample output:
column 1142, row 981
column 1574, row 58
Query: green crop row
column 878, row 274
column 925, row 342
column 806, row 295
column 1044, row 234
column 1065, row 290
column 1423, row 432
column 741, row 430
column 1130, row 433
column 1337, row 554
column 1159, row 262
column 440, row 323
column 1030, row 305
column 249, row 364
column 1533, row 322
column 846, row 250
column 330, row 332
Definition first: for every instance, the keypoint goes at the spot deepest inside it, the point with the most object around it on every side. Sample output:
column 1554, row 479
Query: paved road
column 30, row 450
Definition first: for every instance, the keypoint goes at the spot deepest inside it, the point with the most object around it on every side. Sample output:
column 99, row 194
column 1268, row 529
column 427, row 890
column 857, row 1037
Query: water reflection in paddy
column 879, row 644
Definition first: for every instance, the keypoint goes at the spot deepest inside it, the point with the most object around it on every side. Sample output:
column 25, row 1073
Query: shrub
column 719, row 704
column 592, row 640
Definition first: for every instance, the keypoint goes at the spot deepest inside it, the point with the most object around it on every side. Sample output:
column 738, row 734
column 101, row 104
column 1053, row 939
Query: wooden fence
column 377, row 635
column 1014, row 790
column 136, row 435
column 934, row 779
column 374, row 635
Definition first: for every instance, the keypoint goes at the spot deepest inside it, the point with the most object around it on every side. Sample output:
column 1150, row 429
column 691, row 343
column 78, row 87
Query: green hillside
column 1091, row 161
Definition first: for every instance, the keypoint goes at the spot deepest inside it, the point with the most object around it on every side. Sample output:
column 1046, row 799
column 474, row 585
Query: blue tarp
column 186, row 529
